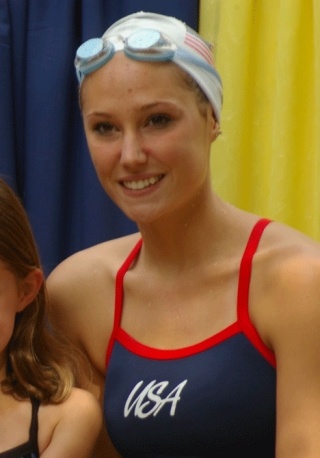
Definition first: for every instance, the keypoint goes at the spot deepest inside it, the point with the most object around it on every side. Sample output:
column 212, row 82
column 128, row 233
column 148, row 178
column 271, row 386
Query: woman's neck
column 183, row 240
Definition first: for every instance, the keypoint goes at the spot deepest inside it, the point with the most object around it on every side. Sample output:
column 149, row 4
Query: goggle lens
column 149, row 45
column 91, row 55
column 90, row 49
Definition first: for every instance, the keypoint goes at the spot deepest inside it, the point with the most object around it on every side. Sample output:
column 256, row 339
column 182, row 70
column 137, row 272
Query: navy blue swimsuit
column 212, row 399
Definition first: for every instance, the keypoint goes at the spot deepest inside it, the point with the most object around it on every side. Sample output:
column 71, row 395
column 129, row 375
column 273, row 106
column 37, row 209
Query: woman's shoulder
column 285, row 246
column 81, row 294
column 91, row 264
column 287, row 259
column 285, row 291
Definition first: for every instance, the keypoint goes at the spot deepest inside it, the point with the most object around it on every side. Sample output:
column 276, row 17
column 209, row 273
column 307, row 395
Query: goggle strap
column 189, row 57
column 145, row 56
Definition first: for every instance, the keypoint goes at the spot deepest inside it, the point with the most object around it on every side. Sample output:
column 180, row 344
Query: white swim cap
column 155, row 37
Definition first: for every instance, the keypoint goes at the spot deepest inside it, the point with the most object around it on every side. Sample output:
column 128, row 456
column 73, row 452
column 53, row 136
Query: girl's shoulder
column 73, row 424
column 80, row 402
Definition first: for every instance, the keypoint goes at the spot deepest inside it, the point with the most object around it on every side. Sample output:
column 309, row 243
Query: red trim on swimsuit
column 243, row 323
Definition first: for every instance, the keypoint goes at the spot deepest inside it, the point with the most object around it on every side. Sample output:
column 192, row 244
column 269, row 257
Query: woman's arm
column 296, row 342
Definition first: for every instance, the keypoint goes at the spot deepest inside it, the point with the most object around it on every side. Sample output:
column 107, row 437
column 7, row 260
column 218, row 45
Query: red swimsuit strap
column 243, row 290
column 119, row 294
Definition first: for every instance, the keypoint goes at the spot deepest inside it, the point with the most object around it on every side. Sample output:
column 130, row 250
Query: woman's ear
column 216, row 130
column 29, row 288
column 214, row 124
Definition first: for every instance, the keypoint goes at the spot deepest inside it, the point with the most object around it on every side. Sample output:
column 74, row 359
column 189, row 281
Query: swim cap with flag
column 155, row 37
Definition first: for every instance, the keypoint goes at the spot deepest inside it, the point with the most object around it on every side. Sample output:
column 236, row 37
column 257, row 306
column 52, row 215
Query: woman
column 41, row 413
column 203, row 328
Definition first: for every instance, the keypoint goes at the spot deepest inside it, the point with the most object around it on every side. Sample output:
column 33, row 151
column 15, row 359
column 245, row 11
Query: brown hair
column 39, row 364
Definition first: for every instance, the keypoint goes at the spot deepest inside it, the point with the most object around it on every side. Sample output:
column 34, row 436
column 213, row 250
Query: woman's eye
column 159, row 120
column 103, row 128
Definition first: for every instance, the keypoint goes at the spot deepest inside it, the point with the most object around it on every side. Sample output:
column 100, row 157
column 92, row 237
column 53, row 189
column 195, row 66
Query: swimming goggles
column 146, row 45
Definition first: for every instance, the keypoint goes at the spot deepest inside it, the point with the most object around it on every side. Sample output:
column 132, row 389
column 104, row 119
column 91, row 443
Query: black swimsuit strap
column 33, row 432
column 29, row 449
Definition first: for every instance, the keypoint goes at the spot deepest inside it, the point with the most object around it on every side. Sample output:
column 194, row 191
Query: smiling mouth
column 142, row 184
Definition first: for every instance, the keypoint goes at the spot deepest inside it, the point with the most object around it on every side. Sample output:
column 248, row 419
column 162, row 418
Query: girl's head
column 17, row 246
column 155, row 38
column 18, row 253
column 35, row 367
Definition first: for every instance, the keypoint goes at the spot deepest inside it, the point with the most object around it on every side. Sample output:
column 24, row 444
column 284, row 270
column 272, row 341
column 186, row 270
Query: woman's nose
column 132, row 151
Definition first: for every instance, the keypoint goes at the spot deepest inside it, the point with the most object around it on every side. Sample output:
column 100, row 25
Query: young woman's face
column 148, row 140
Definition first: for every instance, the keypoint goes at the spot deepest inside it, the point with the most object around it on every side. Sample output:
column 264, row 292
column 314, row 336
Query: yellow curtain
column 267, row 159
